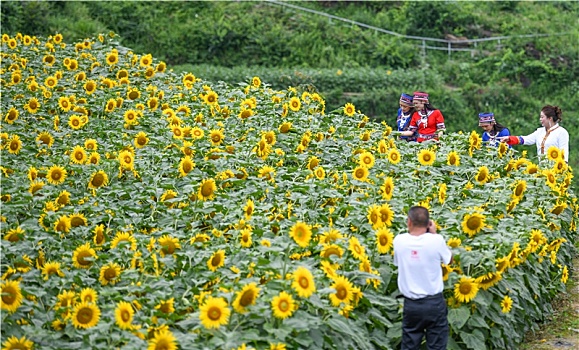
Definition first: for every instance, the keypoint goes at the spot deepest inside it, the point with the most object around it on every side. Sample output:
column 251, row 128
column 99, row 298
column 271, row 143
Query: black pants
column 425, row 317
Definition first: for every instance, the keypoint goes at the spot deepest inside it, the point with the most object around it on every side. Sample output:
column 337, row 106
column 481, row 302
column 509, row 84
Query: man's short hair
column 419, row 216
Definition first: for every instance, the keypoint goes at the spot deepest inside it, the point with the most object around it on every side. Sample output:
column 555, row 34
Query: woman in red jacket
column 427, row 121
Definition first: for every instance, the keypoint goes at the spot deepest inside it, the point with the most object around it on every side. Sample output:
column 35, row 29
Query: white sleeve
column 530, row 139
column 445, row 253
column 563, row 143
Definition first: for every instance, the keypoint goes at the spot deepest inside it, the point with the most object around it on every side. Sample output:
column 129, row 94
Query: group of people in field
column 419, row 121
column 418, row 254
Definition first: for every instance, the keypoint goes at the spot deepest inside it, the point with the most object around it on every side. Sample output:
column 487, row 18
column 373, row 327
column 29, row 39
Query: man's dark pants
column 426, row 316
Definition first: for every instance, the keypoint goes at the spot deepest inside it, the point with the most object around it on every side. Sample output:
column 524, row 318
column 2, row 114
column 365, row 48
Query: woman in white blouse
column 551, row 134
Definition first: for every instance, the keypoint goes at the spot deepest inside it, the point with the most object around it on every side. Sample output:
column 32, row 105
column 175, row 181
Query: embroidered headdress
column 406, row 100
column 420, row 96
column 487, row 117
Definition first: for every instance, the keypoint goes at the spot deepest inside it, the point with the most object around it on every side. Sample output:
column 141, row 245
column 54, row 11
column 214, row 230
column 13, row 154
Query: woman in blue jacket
column 492, row 129
column 405, row 113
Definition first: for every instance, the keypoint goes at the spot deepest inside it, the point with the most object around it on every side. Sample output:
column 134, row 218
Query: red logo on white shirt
column 414, row 254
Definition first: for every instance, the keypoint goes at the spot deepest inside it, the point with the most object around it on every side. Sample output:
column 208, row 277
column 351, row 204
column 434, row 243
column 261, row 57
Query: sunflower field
column 147, row 209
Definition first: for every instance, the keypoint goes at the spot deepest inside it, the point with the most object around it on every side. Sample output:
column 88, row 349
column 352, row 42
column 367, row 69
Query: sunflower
column 85, row 315
column 94, row 158
column 453, row 159
column 84, row 256
column 166, row 306
column 169, row 244
column 64, row 104
column 465, row 290
column 133, row 93
column 506, row 304
column 554, row 153
column 62, row 224
column 313, row 162
column 99, row 234
column 367, row 160
column 56, row 175
column 374, row 216
column 285, row 127
column 110, row 273
column 163, row 340
column 301, row 233
column 295, row 104
column 488, row 280
column 77, row 219
column 51, row 81
column 126, row 159
column 216, row 137
column 387, row 188
column 482, row 176
column 565, row 274
column 214, row 313
column 267, row 173
column 216, row 260
column 78, row 155
column 63, row 198
column 207, row 189
column 14, row 144
column 394, row 156
column 454, row 242
column 473, row 223
column 361, row 173
column 248, row 209
column 14, row 343
column 502, row 149
column 384, row 240
column 358, row 251
column 124, row 237
column 560, row 166
column 124, row 315
column 331, row 249
column 98, row 179
column 426, row 157
column 442, row 193
column 344, row 291
column 14, row 235
column 320, row 173
column 88, row 295
column 186, row 165
column 211, row 98
column 520, row 187
column 141, row 139
column 11, row 296
column 45, row 138
column 386, row 214
column 167, row 196
column 90, row 86
column 75, row 122
column 247, row 296
column 283, row 305
column 558, row 207
column 112, row 58
column 303, row 282
column 349, row 109
column 12, row 115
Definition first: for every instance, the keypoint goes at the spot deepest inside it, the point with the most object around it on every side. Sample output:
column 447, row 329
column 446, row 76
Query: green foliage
column 161, row 222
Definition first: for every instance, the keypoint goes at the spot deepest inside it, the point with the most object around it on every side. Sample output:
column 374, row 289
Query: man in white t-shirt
column 419, row 255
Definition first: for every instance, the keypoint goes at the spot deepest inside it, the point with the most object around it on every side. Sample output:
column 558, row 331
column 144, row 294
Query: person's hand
column 502, row 138
column 431, row 228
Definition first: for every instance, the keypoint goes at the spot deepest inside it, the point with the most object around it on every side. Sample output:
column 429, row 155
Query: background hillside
column 231, row 41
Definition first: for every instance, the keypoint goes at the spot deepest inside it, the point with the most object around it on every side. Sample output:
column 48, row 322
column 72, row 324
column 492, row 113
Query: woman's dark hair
column 498, row 128
column 429, row 106
column 553, row 112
